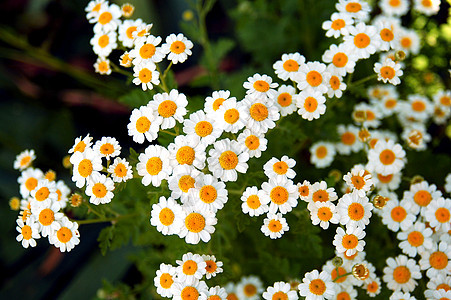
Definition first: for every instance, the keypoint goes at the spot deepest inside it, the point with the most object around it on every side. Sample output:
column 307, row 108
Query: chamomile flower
column 287, row 67
column 212, row 267
column 81, row 144
column 317, row 286
column 354, row 210
column 388, row 71
column 187, row 150
column 28, row 232
column 141, row 32
column 93, row 8
column 388, row 105
column 167, row 216
column 387, row 182
column 249, row 288
column 255, row 202
column 146, row 75
column 338, row 57
column 169, row 107
column 335, row 272
column 24, row 160
column 209, row 193
column 183, row 291
column 253, row 143
column 322, row 213
column 397, row 215
column 441, row 294
column 191, row 268
column 280, row 168
column 419, row 107
column 350, row 241
column 427, row 7
column 386, row 157
column 86, row 165
column 348, row 139
column 335, row 86
column 408, row 41
column 197, row 225
column 443, row 98
column 284, row 100
column 102, row 66
column 261, row 114
column 127, row 10
column 44, row 193
column 362, row 40
column 416, row 136
column 313, row 75
column 311, row 104
column 280, row 290
column 387, row 35
column 322, row 154
column 226, row 159
column 183, row 179
column 108, row 18
column 438, row 282
column 166, row 276
column 373, row 288
column 201, row 125
column 416, row 239
column 319, row 192
column 66, row 237
column 104, row 43
column 394, row 7
column 260, row 87
column 213, row 102
column 359, row 180
column 120, row 170
column 63, row 191
column 346, row 293
column 146, row 50
column 48, row 217
column 438, row 214
column 230, row 115
column 107, row 147
column 100, row 189
column 274, row 225
column 143, row 125
column 304, row 190
column 400, row 273
column 357, row 9
column 28, row 180
column 154, row 165
column 282, row 194
column 178, row 47
column 338, row 24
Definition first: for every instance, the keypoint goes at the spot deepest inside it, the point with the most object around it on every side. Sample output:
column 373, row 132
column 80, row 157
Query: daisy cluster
column 143, row 50
column 41, row 207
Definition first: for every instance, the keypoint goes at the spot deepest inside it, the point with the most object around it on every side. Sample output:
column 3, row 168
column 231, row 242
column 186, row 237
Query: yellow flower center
column 253, row 201
column 143, row 124
column 387, row 72
column 343, row 296
column 26, row 232
column 398, row 214
column 46, row 216
column 401, row 274
column 120, row 170
column 105, row 18
column 99, row 190
column 103, row 67
column 261, row 86
column 145, row 75
column 189, row 267
column 442, row 215
column 362, row 40
column 250, row 290
column 418, row 105
column 341, row 271
column 258, row 112
column 231, row 115
column 228, row 160
column 279, row 195
column 80, row 147
column 338, row 24
column 415, row 238
column 166, row 280
column 203, row 128
column 334, row 82
column 348, row 138
column 107, row 149
column 252, row 142
column 130, row 31
column 445, row 100
column 185, row 155
column 189, row 293
column 390, row 103
column 358, row 181
column 177, row 47
column 438, row 260
column 314, row 78
column 275, row 226
column 217, row 103
column 154, row 165
column 166, row 216
column 104, row 40
column 208, row 194
column 147, row 51
column 85, row 168
column 310, row 104
column 321, row 196
column 394, row 3
column 385, row 179
column 422, row 198
column 42, row 194
column 321, row 152
column 317, row 287
column 290, row 65
column 31, row 183
column 340, row 60
column 284, row 99
column 280, row 167
column 167, row 108
column 64, row 235
column 353, row 7
column 387, row 157
column 356, row 211
column 186, row 182
column 324, row 214
column 372, row 287
column 211, row 266
column 387, row 35
column 406, row 42
column 350, row 241
column 195, row 222
column 279, row 296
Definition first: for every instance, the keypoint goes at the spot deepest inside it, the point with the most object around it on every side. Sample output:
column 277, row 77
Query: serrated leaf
column 105, row 238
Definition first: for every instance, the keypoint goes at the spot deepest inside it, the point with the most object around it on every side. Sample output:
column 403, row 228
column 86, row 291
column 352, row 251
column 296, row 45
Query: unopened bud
column 66, row 162
column 360, row 271
column 400, row 55
column 335, row 174
column 337, row 261
column 364, row 135
column 359, row 116
column 380, row 201
column 76, row 200
column 14, row 203
column 416, row 179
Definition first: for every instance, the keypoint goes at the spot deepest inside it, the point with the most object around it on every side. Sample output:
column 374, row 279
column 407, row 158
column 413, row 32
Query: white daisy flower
column 335, row 86
column 287, row 67
column 280, row 290
column 346, row 292
column 44, row 193
column 107, row 147
column 166, row 276
column 348, row 139
column 441, row 294
column 388, row 71
column 338, row 24
column 386, row 157
column 167, row 216
column 213, row 102
column 127, row 10
column 319, row 192
column 401, row 296
column 438, row 214
column 395, row 8
column 126, row 30
column 317, row 286
column 313, row 75
column 345, row 280
column 66, row 237
column 143, row 125
column 387, row 35
column 28, row 180
column 208, row 193
column 421, row 194
column 322, row 213
column 373, row 288
column 357, row 9
column 284, row 100
column 104, row 43
column 322, row 154
column 282, row 194
column 274, row 225
column 339, row 59
column 260, row 115
column 304, row 190
column 427, row 7
column 201, row 125
column 400, row 273
column 408, row 41
column 191, row 268
column 251, row 142
column 120, row 170
column 255, row 202
column 372, row 115
column 187, row 150
column 416, row 239
column 86, row 165
column 439, row 281
column 141, row 32
column 397, row 215
column 418, row 107
column 146, row 50
column 47, row 218
column 154, row 165
column 24, row 160
column 93, row 8
column 359, row 180
column 212, row 267
column 217, row 293
column 197, row 225
column 231, row 115
column 363, row 40
column 249, row 288
column 178, row 47
column 28, row 232
column 387, row 182
column 442, row 98
column 275, row 168
column 311, row 104
column 100, row 189
column 195, row 290
column 102, row 66
column 63, row 191
column 81, row 144
column 260, row 87
column 146, row 75
column 354, row 210
column 350, row 241
column 388, row 105
column 108, row 18
column 226, row 159
column 169, row 107
column 183, row 179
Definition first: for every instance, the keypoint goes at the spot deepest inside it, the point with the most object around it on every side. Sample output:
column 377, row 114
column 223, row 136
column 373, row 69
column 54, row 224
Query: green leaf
column 105, row 238
column 136, row 98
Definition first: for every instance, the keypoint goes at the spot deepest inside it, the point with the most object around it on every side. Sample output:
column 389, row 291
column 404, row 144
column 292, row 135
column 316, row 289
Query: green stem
column 168, row 132
column 163, row 84
column 341, row 276
column 103, row 220
column 91, row 209
column 363, row 80
column 167, row 70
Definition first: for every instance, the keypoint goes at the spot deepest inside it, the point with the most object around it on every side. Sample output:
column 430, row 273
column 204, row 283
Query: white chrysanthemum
column 275, row 168
column 120, row 170
column 184, row 291
column 177, row 47
column 395, row 8
column 322, row 213
column 319, row 192
column 201, row 125
column 24, row 160
column 335, row 86
column 350, row 241
column 388, row 71
column 183, row 179
column 388, row 105
column 346, row 292
column 372, row 115
column 260, row 115
column 338, row 24
column 363, row 40
column 107, row 147
column 146, row 75
column 400, row 273
column 169, row 107
column 93, row 8
column 154, row 165
column 418, row 107
column 100, row 189
column 66, row 237
column 167, row 216
column 304, row 190
column 217, row 293
column 126, row 30
column 280, row 290
column 191, row 268
column 274, row 225
column 339, row 59
column 166, row 276
column 47, row 218
column 63, row 192
column 284, row 100
column 231, row 115
column 28, row 180
column 373, row 287
column 438, row 214
column 317, row 286
column 226, row 159
column 44, row 193
column 208, row 193
column 197, row 225
column 387, row 182
column 28, row 232
column 108, row 18
column 354, row 210
column 442, row 98
column 322, row 154
column 348, row 139
column 143, row 125
column 86, row 165
column 398, row 215
column 421, row 194
column 359, row 180
column 427, row 7
column 260, row 87
column 187, row 150
column 358, row 9
column 146, row 50
column 249, row 288
column 104, row 43
column 313, row 75
column 346, row 279
column 440, row 281
column 102, row 66
column 141, row 32
column 254, row 201
column 81, row 144
column 212, row 267
column 282, row 194
column 386, row 157
column 387, row 35
column 311, row 104
column 251, row 142
column 213, row 102
column 408, row 41
column 416, row 239
column 287, row 67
